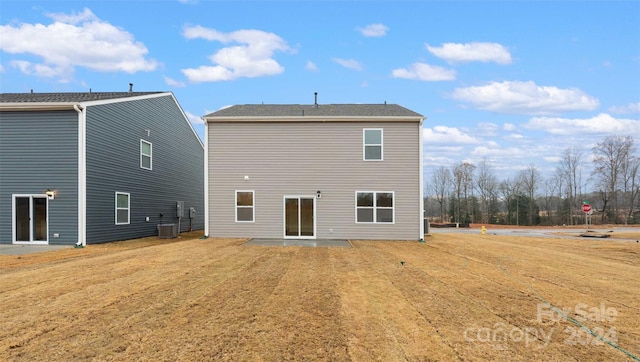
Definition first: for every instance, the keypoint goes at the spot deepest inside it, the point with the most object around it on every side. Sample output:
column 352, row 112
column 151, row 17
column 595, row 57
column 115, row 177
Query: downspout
column 206, row 178
column 421, row 176
column 82, row 175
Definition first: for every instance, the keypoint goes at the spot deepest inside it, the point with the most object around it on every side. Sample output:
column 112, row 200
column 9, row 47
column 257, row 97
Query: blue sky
column 511, row 82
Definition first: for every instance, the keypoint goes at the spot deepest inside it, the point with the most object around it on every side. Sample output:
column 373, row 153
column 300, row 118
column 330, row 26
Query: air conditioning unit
column 167, row 231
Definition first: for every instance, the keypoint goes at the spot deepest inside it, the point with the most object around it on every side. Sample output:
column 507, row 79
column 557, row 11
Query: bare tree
column 440, row 185
column 549, row 198
column 462, row 185
column 530, row 179
column 486, row 184
column 630, row 182
column 509, row 189
column 571, row 171
column 610, row 156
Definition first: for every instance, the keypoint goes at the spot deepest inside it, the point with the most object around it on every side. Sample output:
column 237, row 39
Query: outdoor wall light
column 51, row 194
column 318, row 194
column 246, row 178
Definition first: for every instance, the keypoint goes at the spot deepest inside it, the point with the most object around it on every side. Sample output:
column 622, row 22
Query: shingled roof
column 313, row 110
column 66, row 97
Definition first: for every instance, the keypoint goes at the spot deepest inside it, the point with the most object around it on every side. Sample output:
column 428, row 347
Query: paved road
column 538, row 232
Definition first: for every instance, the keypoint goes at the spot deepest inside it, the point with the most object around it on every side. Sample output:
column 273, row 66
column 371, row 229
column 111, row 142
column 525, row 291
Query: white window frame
column 364, row 144
column 375, row 207
column 128, row 208
column 143, row 155
column 252, row 207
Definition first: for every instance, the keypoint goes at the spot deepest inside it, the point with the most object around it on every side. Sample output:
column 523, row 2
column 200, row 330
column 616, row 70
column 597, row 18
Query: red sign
column 586, row 208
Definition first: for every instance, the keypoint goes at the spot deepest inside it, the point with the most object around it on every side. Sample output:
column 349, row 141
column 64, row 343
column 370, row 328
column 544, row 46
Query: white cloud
column 515, row 136
column 483, row 151
column 311, row 66
column 471, row 52
column 628, row 109
column 488, row 128
column 174, row 83
column 600, row 124
column 75, row 40
column 526, row 98
column 41, row 70
column 509, row 127
column 193, row 118
column 349, row 63
column 73, row 18
column 552, row 159
column 448, row 135
column 374, row 30
column 252, row 58
column 424, row 72
column 1, row 68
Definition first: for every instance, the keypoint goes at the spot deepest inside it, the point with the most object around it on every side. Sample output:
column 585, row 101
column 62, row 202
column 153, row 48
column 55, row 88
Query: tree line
column 610, row 183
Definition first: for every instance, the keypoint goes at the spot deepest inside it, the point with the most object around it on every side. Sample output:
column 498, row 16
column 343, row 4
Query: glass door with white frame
column 30, row 219
column 299, row 217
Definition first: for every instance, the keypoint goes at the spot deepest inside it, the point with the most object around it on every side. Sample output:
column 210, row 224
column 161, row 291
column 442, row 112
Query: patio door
column 30, row 219
column 300, row 217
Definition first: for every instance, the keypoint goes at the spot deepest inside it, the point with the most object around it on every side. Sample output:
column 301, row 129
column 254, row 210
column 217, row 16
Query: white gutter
column 82, row 174
column 206, row 178
column 40, row 106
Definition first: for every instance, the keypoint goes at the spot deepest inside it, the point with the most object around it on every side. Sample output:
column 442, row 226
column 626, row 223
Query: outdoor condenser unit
column 167, row 231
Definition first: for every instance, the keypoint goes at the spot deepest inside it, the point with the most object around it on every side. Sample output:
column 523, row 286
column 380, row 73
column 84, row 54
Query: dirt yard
column 455, row 297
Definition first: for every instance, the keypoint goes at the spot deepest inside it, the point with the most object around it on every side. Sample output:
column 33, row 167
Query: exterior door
column 300, row 217
column 30, row 219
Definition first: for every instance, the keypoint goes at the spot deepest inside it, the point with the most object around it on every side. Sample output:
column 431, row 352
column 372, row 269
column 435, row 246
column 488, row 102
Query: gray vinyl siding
column 113, row 165
column 301, row 158
column 39, row 151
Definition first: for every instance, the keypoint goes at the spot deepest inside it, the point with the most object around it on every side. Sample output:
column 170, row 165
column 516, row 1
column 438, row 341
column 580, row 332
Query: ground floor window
column 245, row 210
column 122, row 208
column 374, row 206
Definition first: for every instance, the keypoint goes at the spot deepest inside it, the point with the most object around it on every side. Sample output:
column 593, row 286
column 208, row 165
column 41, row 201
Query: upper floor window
column 245, row 211
column 145, row 154
column 122, row 208
column 372, row 144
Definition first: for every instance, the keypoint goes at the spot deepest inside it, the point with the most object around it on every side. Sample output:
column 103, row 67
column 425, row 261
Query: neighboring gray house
column 96, row 167
column 343, row 171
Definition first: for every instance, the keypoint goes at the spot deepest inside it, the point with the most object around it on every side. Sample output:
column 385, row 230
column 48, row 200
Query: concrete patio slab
column 13, row 249
column 300, row 242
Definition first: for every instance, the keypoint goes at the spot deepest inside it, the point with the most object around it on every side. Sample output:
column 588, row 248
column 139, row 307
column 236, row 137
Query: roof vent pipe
column 130, row 87
column 315, row 101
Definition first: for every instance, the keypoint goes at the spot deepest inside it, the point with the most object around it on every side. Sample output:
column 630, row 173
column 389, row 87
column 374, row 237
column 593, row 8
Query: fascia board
column 123, row 99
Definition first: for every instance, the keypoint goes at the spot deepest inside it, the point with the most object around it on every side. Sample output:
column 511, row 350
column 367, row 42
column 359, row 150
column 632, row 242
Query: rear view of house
column 96, row 167
column 342, row 171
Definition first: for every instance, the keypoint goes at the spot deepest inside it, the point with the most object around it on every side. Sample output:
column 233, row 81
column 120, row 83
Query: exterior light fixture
column 51, row 194
column 318, row 194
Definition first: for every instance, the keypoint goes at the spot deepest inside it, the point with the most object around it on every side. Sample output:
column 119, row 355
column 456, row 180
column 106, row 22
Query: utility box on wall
column 180, row 209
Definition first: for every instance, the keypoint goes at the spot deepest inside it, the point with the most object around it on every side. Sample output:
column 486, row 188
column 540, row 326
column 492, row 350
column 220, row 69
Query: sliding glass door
column 30, row 223
column 299, row 217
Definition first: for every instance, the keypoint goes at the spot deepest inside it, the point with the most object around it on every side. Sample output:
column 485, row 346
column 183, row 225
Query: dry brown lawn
column 454, row 297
